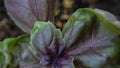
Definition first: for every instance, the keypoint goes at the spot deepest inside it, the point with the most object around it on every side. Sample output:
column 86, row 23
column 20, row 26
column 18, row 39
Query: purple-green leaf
column 49, row 44
column 87, row 38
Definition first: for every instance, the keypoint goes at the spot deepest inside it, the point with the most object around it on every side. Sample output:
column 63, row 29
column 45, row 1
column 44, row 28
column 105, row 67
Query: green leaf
column 109, row 16
column 108, row 22
column 15, row 52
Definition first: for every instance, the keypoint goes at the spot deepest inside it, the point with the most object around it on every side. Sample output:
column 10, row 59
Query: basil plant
column 87, row 40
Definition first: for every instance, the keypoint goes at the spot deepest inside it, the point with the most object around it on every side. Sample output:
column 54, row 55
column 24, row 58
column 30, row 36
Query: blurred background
column 64, row 9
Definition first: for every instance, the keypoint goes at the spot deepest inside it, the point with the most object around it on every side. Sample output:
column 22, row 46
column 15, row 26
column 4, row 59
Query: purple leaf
column 25, row 12
column 94, row 44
